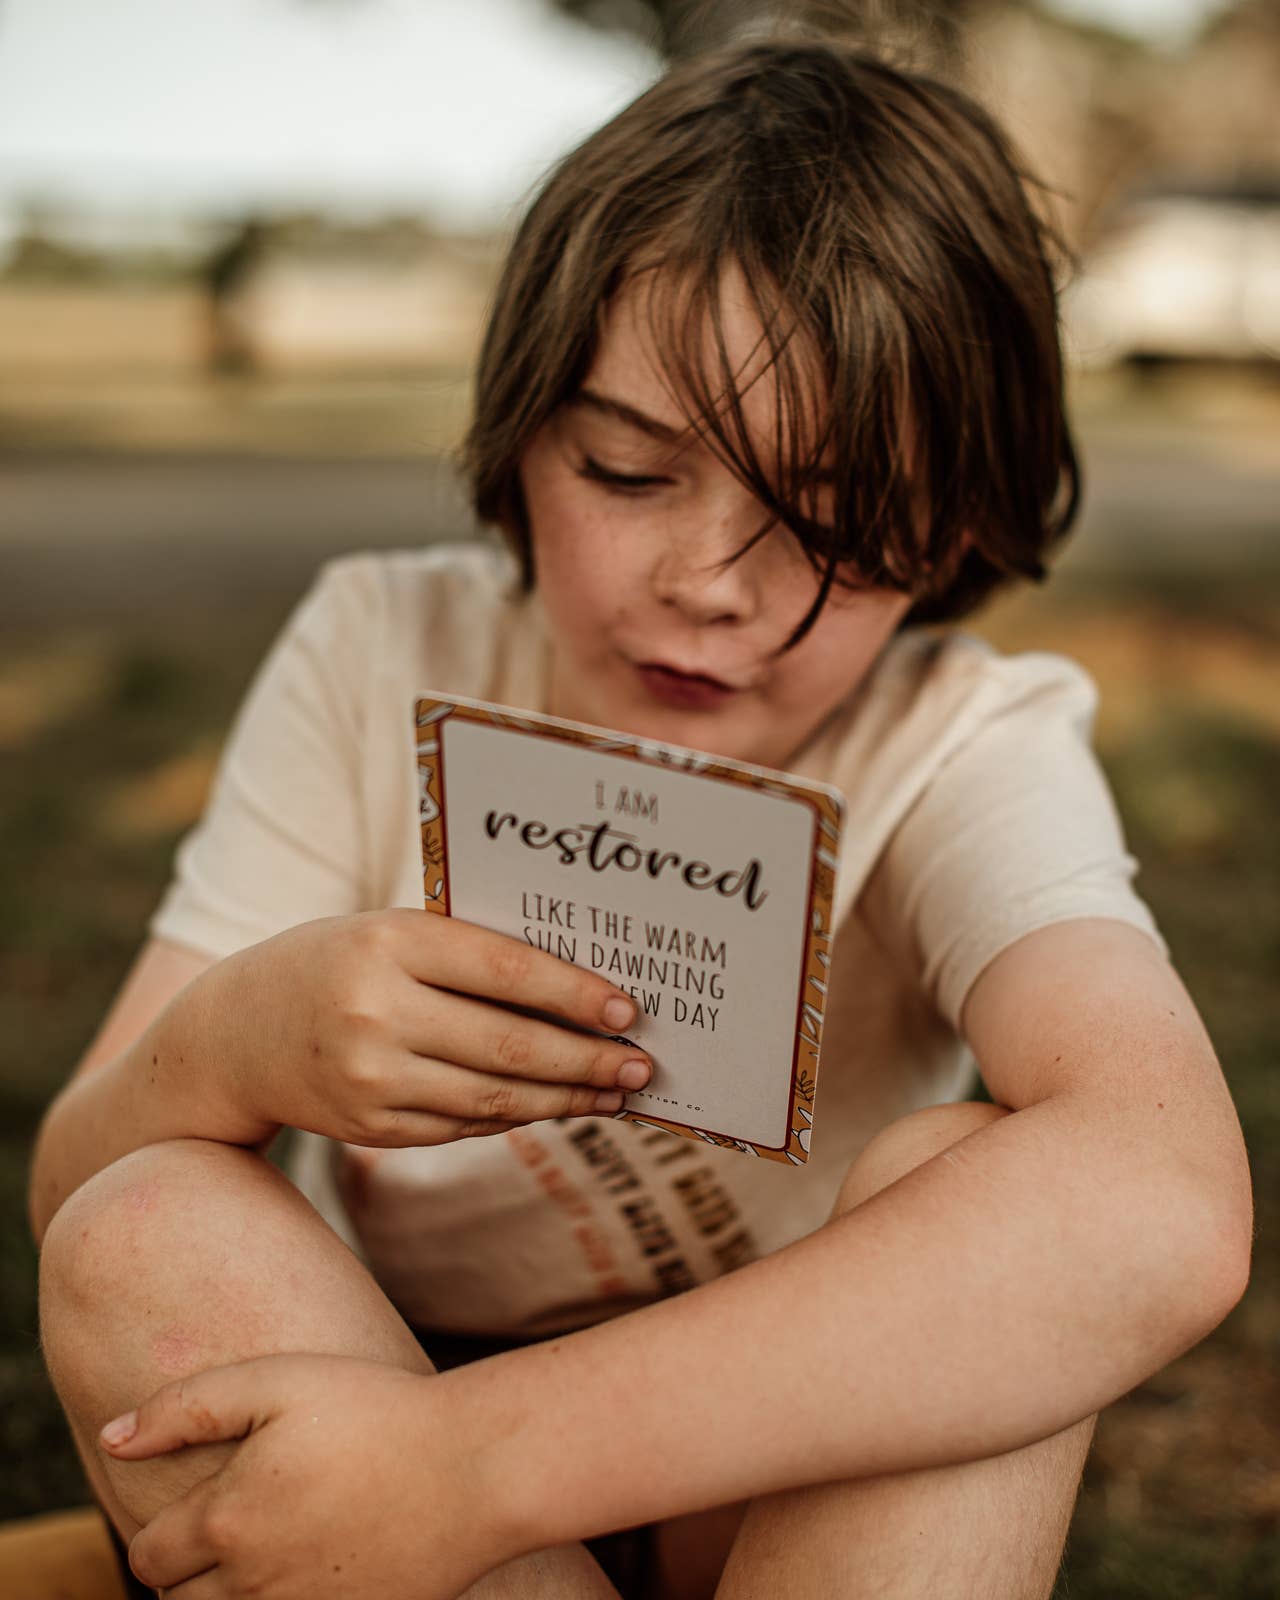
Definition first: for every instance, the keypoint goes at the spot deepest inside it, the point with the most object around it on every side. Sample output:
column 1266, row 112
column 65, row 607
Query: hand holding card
column 700, row 886
column 402, row 1031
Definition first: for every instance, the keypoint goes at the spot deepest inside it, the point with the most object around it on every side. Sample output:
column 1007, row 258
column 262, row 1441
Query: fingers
column 203, row 1409
column 453, row 1091
column 175, row 1552
column 493, row 1040
column 405, row 1127
column 444, row 951
column 208, row 1586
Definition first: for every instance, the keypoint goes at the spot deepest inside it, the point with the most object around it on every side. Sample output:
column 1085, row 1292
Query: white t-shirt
column 976, row 813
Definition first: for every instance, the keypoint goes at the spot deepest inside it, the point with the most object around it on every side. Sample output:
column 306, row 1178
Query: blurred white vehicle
column 1182, row 272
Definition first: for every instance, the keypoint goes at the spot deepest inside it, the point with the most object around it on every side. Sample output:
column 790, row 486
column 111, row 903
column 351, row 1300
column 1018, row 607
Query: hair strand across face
column 883, row 229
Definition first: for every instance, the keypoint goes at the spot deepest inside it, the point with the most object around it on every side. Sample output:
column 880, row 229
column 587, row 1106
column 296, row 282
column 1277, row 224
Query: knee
column 140, row 1212
column 907, row 1144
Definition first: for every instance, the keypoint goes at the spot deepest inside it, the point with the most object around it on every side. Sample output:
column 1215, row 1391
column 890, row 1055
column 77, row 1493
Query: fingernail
column 609, row 1100
column 121, row 1430
column 618, row 1013
column 633, row 1074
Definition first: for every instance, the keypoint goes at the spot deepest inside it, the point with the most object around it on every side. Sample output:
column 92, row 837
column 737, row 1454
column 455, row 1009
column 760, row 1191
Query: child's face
column 630, row 577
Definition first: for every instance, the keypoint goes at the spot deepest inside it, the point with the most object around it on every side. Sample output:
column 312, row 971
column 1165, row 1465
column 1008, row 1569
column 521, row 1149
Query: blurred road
column 102, row 536
column 113, row 535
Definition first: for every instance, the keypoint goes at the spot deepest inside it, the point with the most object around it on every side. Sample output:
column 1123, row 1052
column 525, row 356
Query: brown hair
column 882, row 213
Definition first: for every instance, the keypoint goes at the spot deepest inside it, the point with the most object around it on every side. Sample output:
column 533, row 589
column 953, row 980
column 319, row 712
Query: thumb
column 222, row 1403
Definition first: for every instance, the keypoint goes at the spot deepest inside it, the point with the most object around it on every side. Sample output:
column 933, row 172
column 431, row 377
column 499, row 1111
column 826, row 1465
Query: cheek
column 552, row 531
column 579, row 591
column 580, row 565
column 584, row 600
column 843, row 646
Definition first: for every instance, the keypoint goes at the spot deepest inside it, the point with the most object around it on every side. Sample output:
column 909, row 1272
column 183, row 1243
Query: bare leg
column 189, row 1255
column 986, row 1530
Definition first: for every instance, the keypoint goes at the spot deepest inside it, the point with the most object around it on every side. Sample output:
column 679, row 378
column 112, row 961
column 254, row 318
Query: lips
column 690, row 691
column 686, row 674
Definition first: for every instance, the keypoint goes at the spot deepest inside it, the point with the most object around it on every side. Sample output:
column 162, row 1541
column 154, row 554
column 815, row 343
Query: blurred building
column 1098, row 116
column 1215, row 110
column 392, row 296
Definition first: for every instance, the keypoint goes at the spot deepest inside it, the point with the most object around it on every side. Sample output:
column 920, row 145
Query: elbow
column 1227, row 1276
column 1216, row 1257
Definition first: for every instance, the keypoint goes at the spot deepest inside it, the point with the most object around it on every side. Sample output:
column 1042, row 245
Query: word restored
column 602, row 847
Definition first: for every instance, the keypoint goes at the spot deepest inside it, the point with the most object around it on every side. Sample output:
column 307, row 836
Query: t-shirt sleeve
column 1016, row 830
column 279, row 842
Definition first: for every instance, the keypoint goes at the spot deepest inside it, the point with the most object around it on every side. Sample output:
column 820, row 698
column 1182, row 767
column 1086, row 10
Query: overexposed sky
column 1160, row 20
column 454, row 105
column 207, row 108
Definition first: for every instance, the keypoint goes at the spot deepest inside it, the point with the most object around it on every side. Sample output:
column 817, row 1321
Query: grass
column 72, row 912
column 107, row 742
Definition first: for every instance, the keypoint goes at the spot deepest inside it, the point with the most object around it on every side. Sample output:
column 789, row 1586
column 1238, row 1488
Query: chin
column 712, row 731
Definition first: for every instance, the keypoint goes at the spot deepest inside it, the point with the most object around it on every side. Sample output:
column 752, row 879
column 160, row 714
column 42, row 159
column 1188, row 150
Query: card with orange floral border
column 699, row 885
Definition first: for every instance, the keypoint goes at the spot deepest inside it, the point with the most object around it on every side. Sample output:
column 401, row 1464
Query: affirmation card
column 700, row 886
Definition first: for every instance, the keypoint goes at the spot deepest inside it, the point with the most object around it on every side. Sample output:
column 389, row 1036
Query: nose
column 695, row 572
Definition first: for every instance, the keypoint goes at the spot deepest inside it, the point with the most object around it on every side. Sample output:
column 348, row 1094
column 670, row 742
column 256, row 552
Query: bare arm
column 1000, row 1292
column 110, row 1105
column 379, row 1028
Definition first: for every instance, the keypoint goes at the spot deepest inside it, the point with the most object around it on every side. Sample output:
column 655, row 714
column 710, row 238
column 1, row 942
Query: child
column 771, row 377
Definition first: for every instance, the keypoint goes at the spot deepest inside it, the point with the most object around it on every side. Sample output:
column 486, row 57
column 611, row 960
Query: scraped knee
column 144, row 1215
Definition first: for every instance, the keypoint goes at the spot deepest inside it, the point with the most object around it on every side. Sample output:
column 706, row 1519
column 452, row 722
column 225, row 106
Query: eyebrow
column 610, row 406
column 631, row 415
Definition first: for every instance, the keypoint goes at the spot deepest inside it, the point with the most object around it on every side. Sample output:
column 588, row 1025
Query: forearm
column 166, row 1085
column 997, row 1294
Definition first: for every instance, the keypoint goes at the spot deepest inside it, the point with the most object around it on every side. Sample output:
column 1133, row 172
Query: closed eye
column 624, row 483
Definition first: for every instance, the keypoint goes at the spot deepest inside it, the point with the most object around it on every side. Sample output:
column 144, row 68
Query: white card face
column 691, row 890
